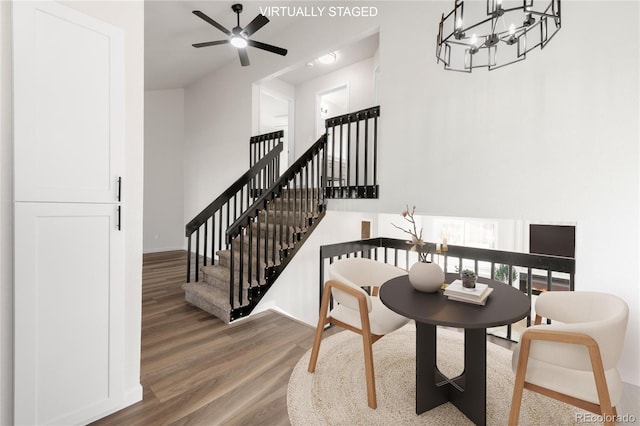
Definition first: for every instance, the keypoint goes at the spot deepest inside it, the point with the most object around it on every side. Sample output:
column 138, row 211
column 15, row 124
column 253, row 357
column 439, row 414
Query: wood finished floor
column 195, row 370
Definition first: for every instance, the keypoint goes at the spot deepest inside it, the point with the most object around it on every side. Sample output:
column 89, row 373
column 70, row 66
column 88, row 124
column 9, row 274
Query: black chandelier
column 502, row 36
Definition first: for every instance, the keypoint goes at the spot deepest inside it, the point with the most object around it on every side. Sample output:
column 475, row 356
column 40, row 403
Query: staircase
column 257, row 225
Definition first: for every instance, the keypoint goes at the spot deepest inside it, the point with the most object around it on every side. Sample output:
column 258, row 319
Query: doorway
column 276, row 113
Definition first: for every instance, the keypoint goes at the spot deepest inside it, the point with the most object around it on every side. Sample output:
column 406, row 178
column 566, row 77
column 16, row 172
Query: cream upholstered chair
column 574, row 358
column 356, row 310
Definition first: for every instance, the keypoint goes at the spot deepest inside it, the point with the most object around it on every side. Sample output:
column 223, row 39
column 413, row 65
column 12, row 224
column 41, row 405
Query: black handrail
column 240, row 194
column 370, row 248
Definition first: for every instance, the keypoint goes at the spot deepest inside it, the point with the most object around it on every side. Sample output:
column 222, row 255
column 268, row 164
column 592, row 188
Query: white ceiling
column 171, row 28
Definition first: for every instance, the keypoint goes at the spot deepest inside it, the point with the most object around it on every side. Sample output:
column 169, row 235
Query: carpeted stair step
column 210, row 299
column 220, row 276
column 224, row 259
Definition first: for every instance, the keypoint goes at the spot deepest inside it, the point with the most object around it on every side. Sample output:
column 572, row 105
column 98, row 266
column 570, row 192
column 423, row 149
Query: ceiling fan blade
column 257, row 23
column 267, row 47
column 244, row 57
column 210, row 43
column 211, row 21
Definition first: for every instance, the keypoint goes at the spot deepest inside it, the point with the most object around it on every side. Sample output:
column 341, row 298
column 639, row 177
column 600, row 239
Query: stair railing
column 226, row 209
column 396, row 252
column 351, row 163
column 259, row 146
column 267, row 235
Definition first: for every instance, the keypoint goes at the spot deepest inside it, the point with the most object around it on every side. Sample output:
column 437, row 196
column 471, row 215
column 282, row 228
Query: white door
column 68, row 315
column 69, row 115
column 69, row 259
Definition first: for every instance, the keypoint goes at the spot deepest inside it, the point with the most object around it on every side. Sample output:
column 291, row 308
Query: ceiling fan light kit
column 500, row 35
column 240, row 37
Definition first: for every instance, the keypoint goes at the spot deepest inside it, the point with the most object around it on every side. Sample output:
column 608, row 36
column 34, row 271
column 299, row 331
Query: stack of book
column 477, row 296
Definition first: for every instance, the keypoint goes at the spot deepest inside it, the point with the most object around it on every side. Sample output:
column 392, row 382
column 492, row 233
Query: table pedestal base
column 468, row 391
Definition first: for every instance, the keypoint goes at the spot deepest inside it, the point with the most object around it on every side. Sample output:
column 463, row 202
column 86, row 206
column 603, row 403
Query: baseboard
column 160, row 250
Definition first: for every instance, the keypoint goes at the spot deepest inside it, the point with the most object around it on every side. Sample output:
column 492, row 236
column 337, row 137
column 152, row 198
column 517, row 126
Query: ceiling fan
column 239, row 37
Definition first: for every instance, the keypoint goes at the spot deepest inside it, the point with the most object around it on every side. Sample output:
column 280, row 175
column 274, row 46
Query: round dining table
column 505, row 305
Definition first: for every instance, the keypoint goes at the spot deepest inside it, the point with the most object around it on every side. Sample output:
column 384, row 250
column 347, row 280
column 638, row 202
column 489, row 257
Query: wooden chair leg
column 607, row 411
column 518, row 387
column 322, row 321
column 368, row 371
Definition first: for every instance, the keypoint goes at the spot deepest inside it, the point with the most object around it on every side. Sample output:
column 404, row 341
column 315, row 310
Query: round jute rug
column 336, row 393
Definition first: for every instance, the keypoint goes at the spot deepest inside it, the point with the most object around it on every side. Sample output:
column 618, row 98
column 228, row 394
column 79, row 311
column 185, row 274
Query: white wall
column 164, row 170
column 6, row 220
column 128, row 15
column 358, row 77
column 558, row 133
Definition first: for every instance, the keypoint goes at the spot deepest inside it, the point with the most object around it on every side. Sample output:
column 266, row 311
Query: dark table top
column 505, row 304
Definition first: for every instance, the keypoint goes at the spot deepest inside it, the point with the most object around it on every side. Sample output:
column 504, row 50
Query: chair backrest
column 360, row 272
column 599, row 315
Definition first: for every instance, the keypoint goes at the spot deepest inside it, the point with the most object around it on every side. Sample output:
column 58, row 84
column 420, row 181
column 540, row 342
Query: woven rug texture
column 336, row 393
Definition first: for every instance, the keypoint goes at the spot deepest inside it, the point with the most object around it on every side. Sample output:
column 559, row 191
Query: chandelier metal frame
column 529, row 28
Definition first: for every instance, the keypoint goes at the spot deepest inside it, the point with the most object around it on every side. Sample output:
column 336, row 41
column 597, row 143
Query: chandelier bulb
column 512, row 29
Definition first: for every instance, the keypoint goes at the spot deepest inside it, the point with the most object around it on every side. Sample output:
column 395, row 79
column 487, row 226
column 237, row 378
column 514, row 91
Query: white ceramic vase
column 427, row 277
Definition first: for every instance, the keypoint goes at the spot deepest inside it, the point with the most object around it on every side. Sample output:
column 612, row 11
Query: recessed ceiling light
column 329, row 58
column 310, row 64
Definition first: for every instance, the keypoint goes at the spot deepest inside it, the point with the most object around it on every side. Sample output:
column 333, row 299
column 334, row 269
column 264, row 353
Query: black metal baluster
column 281, row 202
column 189, row 258
column 258, row 234
column 274, row 233
column 266, row 234
column 294, row 217
column 228, row 208
column 249, row 268
column 340, row 159
column 348, row 181
column 197, row 252
column 366, row 149
column 306, row 183
column 357, row 150
column 220, row 232
column 231, row 273
column 375, row 150
column 213, row 237
column 204, row 256
column 333, row 158
column 241, row 268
